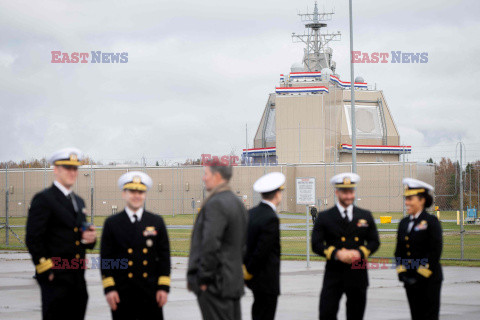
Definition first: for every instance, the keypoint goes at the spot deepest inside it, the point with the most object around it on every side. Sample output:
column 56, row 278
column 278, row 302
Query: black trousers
column 65, row 297
column 217, row 308
column 264, row 306
column 424, row 300
column 135, row 304
column 331, row 294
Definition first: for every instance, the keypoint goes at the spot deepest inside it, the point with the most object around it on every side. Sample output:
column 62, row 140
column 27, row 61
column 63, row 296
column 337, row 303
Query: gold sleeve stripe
column 246, row 275
column 401, row 268
column 108, row 282
column 164, row 281
column 44, row 265
column 365, row 251
column 328, row 252
column 424, row 271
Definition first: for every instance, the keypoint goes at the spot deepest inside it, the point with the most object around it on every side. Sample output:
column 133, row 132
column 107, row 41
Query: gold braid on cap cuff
column 346, row 186
column 328, row 252
column 44, row 265
column 246, row 274
column 401, row 268
column 413, row 192
column 365, row 251
column 164, row 281
column 424, row 271
column 135, row 186
column 67, row 163
column 108, row 282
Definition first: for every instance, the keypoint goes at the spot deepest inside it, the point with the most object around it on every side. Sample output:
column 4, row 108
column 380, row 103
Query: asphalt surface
column 20, row 295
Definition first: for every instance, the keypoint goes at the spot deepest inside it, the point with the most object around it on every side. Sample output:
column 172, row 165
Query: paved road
column 20, row 299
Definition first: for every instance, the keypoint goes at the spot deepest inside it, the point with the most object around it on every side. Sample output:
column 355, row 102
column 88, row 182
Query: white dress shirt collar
column 349, row 211
column 270, row 204
column 62, row 188
column 416, row 216
column 410, row 223
column 130, row 214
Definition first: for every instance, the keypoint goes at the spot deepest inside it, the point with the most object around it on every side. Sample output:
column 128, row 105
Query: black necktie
column 411, row 224
column 70, row 197
column 345, row 217
column 135, row 222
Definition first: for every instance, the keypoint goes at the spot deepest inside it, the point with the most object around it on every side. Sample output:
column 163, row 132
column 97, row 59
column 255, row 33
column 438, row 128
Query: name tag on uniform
column 149, row 231
column 362, row 223
column 423, row 225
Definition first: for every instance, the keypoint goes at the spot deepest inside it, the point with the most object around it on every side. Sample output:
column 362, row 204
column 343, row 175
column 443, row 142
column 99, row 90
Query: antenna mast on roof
column 317, row 55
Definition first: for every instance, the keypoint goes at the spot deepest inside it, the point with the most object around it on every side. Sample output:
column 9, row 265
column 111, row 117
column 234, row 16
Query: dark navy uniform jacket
column 54, row 232
column 331, row 233
column 420, row 248
column 262, row 258
column 135, row 257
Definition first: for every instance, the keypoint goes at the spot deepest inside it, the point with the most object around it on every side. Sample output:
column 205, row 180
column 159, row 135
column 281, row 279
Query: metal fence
column 178, row 192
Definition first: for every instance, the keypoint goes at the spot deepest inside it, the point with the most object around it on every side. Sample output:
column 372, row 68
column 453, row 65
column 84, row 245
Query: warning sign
column 305, row 189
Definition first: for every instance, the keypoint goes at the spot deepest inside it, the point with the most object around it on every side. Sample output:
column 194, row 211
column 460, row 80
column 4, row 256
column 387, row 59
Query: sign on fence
column 305, row 189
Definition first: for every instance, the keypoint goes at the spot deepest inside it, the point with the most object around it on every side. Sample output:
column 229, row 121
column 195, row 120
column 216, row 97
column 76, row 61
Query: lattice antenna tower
column 317, row 54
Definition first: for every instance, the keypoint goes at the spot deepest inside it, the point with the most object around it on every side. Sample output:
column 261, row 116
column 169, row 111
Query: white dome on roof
column 359, row 79
column 327, row 71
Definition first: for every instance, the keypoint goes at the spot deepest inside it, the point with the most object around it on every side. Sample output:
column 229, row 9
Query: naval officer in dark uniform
column 135, row 255
column 418, row 251
column 262, row 258
column 344, row 234
column 57, row 236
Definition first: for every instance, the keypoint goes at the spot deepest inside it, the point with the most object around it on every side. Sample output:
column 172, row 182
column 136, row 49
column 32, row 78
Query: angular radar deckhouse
column 307, row 118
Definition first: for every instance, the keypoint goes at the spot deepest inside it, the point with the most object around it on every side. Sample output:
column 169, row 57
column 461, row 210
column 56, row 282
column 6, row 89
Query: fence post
column 461, row 201
column 45, row 173
column 91, row 194
column 308, row 236
column 24, row 196
column 183, row 192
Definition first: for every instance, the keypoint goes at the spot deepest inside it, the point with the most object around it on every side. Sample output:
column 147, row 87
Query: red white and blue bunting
column 287, row 90
column 258, row 151
column 376, row 149
column 345, row 84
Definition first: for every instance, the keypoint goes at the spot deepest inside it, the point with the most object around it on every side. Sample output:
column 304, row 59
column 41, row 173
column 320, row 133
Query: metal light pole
column 461, row 201
column 404, row 211
column 7, row 199
column 352, row 96
column 246, row 142
column 91, row 195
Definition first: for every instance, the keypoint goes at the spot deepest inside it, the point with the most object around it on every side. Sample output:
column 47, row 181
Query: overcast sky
column 199, row 71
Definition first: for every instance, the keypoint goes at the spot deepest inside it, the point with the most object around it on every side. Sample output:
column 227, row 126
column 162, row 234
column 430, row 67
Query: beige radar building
column 307, row 119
